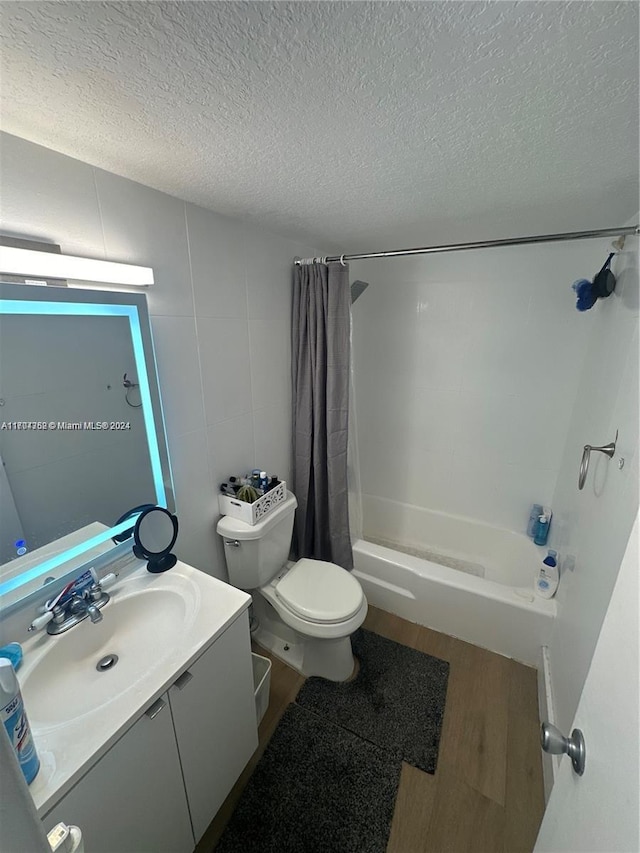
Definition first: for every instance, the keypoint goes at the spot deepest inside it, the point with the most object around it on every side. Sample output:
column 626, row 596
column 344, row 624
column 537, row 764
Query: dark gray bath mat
column 396, row 701
column 317, row 788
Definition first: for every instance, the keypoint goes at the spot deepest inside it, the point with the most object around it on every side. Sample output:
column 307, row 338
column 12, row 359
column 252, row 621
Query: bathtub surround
column 320, row 365
column 317, row 787
column 478, row 357
column 220, row 315
column 396, row 701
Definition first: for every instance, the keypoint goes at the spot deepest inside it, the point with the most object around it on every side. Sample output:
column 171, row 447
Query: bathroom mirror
column 81, row 431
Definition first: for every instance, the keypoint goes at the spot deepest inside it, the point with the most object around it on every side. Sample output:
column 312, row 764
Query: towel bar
column 608, row 449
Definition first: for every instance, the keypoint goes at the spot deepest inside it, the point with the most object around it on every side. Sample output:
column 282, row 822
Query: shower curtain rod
column 486, row 244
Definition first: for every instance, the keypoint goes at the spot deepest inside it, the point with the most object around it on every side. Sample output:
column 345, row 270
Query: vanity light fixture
column 28, row 262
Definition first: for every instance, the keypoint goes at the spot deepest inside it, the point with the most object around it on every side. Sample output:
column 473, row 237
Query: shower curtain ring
column 342, row 260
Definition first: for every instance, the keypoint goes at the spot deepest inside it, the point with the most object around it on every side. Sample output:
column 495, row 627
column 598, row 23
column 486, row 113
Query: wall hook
column 128, row 384
column 608, row 449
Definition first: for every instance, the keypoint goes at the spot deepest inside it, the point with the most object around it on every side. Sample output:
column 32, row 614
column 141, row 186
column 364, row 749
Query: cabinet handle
column 184, row 679
column 155, row 709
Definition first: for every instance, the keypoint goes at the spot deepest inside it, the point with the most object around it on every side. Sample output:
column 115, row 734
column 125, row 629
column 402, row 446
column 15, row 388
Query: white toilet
column 305, row 611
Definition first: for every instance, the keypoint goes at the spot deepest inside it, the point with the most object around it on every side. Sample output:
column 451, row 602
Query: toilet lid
column 320, row 592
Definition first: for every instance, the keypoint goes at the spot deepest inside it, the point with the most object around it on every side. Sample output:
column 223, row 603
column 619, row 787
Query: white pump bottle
column 548, row 576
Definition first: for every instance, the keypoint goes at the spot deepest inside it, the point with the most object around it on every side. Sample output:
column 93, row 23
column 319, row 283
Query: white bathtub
column 498, row 611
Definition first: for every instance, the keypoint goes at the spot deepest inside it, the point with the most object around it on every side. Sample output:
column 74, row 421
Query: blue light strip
column 66, row 556
column 163, row 419
column 147, row 406
column 14, row 306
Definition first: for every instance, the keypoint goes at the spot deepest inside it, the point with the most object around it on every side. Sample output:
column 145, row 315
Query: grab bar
column 608, row 449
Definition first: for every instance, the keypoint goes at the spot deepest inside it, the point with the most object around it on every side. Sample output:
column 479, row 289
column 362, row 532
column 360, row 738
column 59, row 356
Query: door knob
column 552, row 740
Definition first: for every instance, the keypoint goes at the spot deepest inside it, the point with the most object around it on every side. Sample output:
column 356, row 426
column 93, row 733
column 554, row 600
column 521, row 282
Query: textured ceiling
column 361, row 125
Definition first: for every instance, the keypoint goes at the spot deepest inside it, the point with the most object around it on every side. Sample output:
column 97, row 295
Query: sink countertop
column 69, row 748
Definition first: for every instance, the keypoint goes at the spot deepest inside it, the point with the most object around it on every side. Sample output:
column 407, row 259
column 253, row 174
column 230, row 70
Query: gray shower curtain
column 320, row 355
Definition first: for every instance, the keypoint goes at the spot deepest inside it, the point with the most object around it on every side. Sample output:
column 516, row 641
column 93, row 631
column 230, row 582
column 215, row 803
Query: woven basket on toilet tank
column 253, row 513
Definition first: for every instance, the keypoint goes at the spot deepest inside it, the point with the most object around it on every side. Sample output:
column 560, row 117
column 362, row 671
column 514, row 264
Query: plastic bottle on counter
column 15, row 721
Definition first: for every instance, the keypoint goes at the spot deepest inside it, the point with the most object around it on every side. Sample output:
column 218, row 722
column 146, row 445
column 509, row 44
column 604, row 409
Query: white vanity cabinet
column 214, row 716
column 161, row 784
column 133, row 800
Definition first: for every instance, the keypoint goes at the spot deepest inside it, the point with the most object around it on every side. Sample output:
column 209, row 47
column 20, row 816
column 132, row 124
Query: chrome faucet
column 88, row 603
column 78, row 606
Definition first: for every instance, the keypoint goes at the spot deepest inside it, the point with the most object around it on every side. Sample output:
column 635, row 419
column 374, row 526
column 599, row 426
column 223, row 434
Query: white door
column 599, row 811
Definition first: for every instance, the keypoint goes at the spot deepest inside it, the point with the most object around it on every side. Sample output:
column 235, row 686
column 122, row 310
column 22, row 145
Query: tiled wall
column 466, row 372
column 220, row 315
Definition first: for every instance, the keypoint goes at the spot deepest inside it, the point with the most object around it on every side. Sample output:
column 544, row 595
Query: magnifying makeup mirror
column 155, row 535
column 127, row 534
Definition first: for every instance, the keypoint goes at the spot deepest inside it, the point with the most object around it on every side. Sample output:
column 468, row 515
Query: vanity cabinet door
column 133, row 800
column 215, row 721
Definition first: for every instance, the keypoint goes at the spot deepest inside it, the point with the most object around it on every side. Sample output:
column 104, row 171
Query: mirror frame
column 31, row 299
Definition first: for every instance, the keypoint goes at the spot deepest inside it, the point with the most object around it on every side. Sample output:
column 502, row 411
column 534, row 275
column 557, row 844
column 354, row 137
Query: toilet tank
column 262, row 548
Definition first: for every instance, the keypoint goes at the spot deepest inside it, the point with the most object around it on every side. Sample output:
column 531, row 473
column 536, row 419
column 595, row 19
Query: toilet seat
column 320, row 592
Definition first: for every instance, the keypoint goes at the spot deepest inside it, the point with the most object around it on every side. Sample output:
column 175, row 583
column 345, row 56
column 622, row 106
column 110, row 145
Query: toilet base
column 328, row 658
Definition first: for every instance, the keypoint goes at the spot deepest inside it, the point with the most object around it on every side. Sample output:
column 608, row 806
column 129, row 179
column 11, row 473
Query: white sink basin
column 157, row 625
column 141, row 626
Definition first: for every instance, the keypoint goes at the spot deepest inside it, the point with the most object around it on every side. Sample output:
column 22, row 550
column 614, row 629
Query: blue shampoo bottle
column 542, row 528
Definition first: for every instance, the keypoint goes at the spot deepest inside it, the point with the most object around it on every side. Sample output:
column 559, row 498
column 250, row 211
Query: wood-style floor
column 486, row 795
